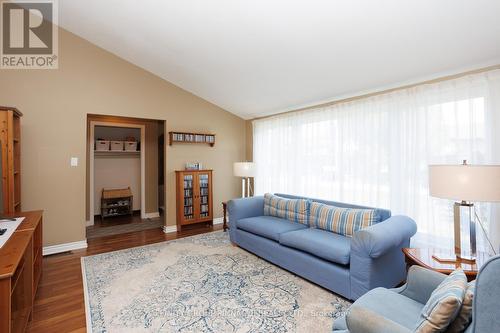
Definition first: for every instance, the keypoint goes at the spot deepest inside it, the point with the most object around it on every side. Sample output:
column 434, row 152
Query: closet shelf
column 110, row 153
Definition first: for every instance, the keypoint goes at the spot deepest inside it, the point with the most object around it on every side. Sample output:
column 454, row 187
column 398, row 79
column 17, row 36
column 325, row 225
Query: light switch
column 74, row 161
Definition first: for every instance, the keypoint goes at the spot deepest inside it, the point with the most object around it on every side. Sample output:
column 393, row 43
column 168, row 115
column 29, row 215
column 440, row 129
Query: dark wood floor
column 117, row 220
column 59, row 305
column 121, row 225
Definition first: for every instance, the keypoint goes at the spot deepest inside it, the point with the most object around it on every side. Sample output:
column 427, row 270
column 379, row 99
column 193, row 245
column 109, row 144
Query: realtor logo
column 29, row 35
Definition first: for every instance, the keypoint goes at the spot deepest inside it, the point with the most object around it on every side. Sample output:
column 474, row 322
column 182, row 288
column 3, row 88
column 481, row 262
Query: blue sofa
column 347, row 266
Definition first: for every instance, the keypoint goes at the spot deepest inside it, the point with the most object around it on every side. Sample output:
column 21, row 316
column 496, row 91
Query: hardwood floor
column 59, row 305
column 121, row 225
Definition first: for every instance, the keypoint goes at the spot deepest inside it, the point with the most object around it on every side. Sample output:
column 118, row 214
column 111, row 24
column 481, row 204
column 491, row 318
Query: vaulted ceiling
column 261, row 57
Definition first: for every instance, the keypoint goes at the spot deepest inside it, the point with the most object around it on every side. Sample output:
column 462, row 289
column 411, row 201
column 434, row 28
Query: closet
column 117, row 166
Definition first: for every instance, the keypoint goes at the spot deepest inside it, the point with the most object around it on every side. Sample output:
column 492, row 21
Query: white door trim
column 91, row 166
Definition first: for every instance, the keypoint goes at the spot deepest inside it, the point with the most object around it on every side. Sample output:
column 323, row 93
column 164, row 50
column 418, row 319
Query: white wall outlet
column 74, row 161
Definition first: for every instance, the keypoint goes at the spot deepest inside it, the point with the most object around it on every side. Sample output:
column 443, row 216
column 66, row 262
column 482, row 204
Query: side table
column 424, row 257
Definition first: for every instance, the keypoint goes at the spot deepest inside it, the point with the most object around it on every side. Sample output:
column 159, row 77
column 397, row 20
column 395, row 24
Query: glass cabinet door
column 188, row 197
column 203, row 179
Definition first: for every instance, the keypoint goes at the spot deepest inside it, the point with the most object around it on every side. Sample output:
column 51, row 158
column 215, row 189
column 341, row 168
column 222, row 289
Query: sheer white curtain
column 376, row 151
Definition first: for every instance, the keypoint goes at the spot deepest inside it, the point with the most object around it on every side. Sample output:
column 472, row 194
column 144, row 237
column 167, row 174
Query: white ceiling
column 258, row 57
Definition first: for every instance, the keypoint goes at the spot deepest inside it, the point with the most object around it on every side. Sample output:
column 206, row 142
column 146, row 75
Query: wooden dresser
column 20, row 271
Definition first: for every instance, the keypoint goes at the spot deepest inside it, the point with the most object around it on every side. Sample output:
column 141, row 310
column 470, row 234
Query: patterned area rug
column 201, row 284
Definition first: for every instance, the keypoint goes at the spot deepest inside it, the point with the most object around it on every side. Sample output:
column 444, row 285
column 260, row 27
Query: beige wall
column 55, row 104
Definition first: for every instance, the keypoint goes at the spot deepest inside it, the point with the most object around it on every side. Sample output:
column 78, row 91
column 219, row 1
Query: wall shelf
column 110, row 153
column 186, row 137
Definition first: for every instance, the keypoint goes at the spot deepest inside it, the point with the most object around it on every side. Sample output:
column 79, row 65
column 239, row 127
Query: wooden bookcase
column 184, row 137
column 194, row 197
column 10, row 139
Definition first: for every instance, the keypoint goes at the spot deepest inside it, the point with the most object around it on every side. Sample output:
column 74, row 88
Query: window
column 376, row 151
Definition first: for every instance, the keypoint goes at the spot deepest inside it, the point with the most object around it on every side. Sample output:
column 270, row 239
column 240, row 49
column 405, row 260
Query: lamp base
column 457, row 259
column 457, row 220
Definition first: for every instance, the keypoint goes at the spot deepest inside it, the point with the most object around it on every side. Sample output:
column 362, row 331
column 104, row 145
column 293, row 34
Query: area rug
column 201, row 284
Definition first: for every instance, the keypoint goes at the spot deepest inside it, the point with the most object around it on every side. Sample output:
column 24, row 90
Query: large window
column 376, row 151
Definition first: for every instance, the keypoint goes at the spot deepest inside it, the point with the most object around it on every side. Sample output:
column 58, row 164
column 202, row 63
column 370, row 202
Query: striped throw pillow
column 295, row 210
column 343, row 221
column 464, row 316
column 443, row 304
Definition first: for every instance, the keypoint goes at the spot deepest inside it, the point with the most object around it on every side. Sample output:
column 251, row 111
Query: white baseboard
column 169, row 228
column 173, row 228
column 89, row 223
column 151, row 215
column 53, row 249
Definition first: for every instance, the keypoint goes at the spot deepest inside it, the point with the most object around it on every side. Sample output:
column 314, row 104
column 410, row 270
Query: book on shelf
column 204, row 208
column 192, row 138
column 188, row 210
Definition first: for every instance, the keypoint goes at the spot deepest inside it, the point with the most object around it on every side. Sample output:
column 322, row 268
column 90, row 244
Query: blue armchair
column 398, row 310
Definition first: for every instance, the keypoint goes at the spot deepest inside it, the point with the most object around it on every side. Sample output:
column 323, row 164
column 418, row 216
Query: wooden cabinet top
column 8, row 108
column 12, row 251
column 32, row 218
column 191, row 171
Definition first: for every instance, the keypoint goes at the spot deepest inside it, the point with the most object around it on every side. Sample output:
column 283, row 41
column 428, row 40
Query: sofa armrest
column 238, row 209
column 382, row 237
column 363, row 320
column 377, row 258
column 420, row 283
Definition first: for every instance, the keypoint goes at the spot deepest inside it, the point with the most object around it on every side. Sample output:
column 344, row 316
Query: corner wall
column 91, row 80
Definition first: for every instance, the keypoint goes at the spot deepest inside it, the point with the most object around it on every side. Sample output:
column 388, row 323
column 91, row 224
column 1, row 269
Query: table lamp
column 245, row 170
column 466, row 184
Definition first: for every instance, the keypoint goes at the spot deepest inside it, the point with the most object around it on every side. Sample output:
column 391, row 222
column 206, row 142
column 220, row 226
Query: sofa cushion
column 295, row 210
column 383, row 214
column 393, row 306
column 443, row 304
column 343, row 221
column 268, row 226
column 323, row 244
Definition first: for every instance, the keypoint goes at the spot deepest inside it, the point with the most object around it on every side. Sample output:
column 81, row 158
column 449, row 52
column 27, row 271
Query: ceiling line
column 386, row 91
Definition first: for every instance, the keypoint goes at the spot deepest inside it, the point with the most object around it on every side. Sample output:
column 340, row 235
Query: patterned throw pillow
column 343, row 221
column 295, row 210
column 465, row 315
column 443, row 304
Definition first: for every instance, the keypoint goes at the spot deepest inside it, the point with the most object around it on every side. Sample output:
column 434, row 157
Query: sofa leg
column 234, row 244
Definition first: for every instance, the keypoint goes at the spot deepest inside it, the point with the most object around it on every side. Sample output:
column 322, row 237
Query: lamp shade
column 244, row 169
column 465, row 182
